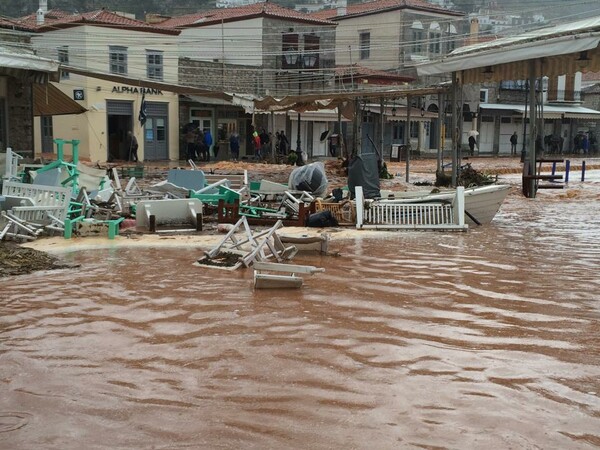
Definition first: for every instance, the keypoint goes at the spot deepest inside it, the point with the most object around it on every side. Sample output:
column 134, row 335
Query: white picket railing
column 391, row 214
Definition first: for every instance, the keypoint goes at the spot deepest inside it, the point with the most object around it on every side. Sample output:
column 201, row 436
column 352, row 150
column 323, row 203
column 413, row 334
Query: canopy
column 558, row 50
column 48, row 100
column 550, row 111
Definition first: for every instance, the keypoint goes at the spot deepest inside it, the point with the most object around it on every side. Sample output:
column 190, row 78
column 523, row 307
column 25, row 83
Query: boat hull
column 481, row 203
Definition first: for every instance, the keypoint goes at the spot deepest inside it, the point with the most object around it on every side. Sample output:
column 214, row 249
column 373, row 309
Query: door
column 486, row 135
column 47, row 135
column 120, row 121
column 156, row 144
column 320, row 146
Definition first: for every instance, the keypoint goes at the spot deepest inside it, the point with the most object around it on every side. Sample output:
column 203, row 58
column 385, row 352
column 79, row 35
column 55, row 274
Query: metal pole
column 523, row 147
column 454, row 129
column 532, row 128
column 381, row 125
column 439, row 131
column 299, row 161
column 407, row 155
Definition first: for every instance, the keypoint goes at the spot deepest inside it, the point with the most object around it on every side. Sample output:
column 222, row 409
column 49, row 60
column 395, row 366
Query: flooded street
column 484, row 339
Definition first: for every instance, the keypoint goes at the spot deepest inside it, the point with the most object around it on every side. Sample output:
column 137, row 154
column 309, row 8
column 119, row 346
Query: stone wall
column 19, row 101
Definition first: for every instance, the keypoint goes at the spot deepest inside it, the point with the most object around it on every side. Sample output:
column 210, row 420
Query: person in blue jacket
column 208, row 141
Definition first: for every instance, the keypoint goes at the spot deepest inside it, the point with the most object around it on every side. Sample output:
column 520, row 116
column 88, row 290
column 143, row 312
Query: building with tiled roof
column 255, row 49
column 56, row 19
column 379, row 6
column 393, row 35
column 123, row 50
column 10, row 24
column 244, row 12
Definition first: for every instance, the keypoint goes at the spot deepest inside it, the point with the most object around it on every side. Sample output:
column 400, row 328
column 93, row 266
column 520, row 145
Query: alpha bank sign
column 135, row 90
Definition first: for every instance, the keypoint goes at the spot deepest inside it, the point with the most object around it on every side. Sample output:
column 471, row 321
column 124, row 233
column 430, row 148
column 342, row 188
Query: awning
column 550, row 111
column 401, row 113
column 322, row 115
column 557, row 51
column 23, row 60
column 48, row 100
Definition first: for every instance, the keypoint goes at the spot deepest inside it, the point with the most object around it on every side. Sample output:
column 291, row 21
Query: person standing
column 208, row 141
column 257, row 146
column 264, row 143
column 190, row 140
column 234, row 145
column 284, row 144
column 472, row 143
column 513, row 144
column 133, row 146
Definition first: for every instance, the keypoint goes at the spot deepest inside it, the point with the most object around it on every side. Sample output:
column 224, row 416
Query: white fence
column 398, row 214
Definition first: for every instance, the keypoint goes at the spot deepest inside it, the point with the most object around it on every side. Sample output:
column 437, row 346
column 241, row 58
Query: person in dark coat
column 133, row 146
column 472, row 143
column 234, row 145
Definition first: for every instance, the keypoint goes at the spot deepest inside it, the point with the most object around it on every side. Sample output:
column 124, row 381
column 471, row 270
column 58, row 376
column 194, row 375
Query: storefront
column 112, row 111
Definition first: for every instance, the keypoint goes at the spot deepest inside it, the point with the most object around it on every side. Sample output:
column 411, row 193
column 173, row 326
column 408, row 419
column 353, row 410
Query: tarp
column 363, row 170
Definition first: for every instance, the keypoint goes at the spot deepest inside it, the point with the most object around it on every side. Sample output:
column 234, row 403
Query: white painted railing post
column 459, row 206
column 360, row 204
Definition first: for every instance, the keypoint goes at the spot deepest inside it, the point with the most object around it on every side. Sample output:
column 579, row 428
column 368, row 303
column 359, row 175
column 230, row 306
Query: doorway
column 156, row 132
column 47, row 135
column 120, row 121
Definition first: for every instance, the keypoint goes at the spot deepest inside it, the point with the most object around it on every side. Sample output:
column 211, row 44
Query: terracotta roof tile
column 382, row 5
column 61, row 19
column 13, row 24
column 239, row 13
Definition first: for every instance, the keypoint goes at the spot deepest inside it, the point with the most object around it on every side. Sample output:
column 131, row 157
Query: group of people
column 262, row 143
column 199, row 144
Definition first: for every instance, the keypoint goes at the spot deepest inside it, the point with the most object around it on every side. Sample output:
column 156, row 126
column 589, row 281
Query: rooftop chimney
column 341, row 11
column 39, row 16
column 44, row 6
column 474, row 31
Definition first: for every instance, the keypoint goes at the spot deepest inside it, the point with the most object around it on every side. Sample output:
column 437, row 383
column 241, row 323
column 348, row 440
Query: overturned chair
column 31, row 210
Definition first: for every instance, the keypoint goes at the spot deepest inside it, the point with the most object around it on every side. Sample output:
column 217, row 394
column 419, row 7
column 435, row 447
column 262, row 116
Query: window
column 154, row 65
column 289, row 48
column 435, row 39
column 483, row 95
column 311, row 51
column 364, row 44
column 417, row 36
column 118, row 59
column 63, row 58
column 397, row 132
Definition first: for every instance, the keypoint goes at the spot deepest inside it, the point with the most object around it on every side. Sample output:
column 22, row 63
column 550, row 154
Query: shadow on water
column 418, row 340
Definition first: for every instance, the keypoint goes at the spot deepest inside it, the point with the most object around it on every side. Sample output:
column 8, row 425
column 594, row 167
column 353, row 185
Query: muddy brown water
column 485, row 339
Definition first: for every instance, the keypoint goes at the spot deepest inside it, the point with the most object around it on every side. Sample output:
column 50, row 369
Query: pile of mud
column 15, row 260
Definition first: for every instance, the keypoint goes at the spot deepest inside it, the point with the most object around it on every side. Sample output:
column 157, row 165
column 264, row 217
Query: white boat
column 481, row 203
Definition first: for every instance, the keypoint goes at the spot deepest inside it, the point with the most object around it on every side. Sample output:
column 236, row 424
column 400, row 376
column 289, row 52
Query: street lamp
column 307, row 61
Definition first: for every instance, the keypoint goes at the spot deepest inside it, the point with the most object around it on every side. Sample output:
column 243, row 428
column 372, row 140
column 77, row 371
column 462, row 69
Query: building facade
column 110, row 43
